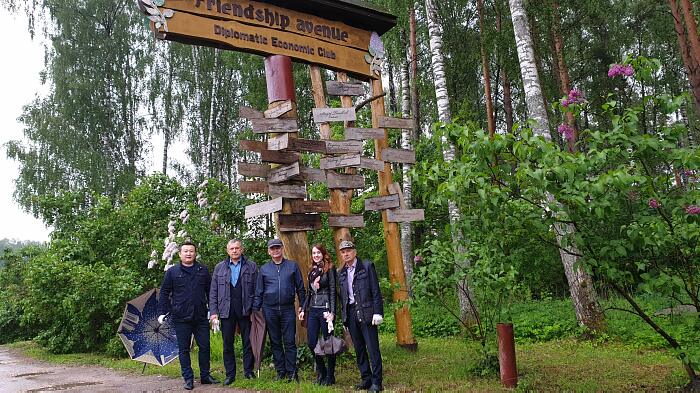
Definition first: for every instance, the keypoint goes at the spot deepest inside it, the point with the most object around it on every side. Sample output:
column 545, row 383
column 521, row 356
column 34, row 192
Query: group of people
column 194, row 300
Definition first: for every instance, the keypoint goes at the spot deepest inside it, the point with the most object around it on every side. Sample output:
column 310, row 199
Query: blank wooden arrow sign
column 254, row 146
column 263, row 208
column 262, row 126
column 253, row 170
column 279, row 110
column 353, row 133
column 393, row 122
column 343, row 181
column 371, row 163
column 325, row 115
column 334, row 88
column 250, row 113
column 405, row 215
column 402, row 156
column 279, row 157
column 351, row 221
column 299, row 222
column 299, row 206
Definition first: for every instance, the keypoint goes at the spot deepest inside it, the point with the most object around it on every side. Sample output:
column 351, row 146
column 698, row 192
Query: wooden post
column 397, row 275
column 280, row 89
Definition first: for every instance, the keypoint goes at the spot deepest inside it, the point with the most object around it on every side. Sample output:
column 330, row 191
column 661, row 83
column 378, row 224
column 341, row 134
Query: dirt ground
column 21, row 374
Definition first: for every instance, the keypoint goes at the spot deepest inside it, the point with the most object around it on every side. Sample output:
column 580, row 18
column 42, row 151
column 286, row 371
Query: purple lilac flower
column 574, row 97
column 654, row 204
column 567, row 131
column 693, row 210
column 620, row 69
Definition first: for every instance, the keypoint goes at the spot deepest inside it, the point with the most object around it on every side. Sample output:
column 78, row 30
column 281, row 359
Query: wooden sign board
column 325, row 115
column 283, row 173
column 279, row 142
column 299, row 206
column 343, row 147
column 307, row 145
column 263, row 208
column 299, row 222
column 312, row 175
column 382, row 202
column 393, row 122
column 351, row 221
column 279, row 110
column 395, row 188
column 401, row 215
column 253, row 187
column 254, row 146
column 250, row 113
column 371, row 163
column 279, row 157
column 262, row 126
column 253, row 170
column 292, row 191
column 352, row 133
column 334, row 88
column 343, row 161
column 343, row 181
column 399, row 155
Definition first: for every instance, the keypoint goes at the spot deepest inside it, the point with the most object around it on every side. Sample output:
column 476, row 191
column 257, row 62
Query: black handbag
column 330, row 346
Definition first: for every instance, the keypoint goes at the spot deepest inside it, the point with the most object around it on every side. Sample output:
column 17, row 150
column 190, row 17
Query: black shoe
column 293, row 377
column 364, row 385
column 330, row 380
column 279, row 377
column 209, row 380
column 250, row 376
column 189, row 384
column 375, row 388
column 229, row 380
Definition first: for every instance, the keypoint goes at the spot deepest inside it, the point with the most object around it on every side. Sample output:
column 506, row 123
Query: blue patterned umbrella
column 144, row 338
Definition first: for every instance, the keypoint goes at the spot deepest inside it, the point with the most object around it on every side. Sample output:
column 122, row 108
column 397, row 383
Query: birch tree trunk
column 468, row 309
column 413, row 56
column 583, row 295
column 406, row 143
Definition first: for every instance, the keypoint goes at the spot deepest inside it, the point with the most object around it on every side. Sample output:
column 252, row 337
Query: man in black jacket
column 230, row 304
column 362, row 309
column 278, row 281
column 183, row 295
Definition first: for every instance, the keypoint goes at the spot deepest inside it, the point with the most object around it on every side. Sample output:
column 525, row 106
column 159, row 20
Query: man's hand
column 301, row 315
column 161, row 319
column 328, row 316
column 215, row 323
column 377, row 319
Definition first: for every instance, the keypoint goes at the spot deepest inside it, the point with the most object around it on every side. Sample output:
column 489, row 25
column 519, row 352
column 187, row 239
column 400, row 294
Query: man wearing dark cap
column 278, row 281
column 362, row 310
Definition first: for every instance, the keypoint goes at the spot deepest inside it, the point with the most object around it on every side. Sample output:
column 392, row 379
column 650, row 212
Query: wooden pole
column 397, row 276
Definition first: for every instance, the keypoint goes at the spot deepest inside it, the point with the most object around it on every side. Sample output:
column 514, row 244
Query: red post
column 506, row 355
column 279, row 78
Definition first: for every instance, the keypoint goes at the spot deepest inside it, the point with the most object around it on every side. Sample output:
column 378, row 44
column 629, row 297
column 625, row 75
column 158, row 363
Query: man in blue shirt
column 230, row 304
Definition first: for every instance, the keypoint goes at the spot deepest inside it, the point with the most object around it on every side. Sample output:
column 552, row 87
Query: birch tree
column 406, row 143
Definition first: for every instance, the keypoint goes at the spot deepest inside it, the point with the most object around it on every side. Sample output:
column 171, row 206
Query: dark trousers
column 184, row 332
column 365, row 338
column 228, row 333
column 282, row 330
column 315, row 322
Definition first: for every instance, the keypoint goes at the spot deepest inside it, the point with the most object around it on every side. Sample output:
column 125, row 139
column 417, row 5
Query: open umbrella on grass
column 145, row 339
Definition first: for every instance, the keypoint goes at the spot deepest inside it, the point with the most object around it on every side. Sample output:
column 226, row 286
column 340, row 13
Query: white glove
column 377, row 319
column 161, row 319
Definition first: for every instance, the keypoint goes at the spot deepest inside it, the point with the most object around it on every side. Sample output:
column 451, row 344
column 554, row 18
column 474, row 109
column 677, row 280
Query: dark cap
column 346, row 244
column 274, row 242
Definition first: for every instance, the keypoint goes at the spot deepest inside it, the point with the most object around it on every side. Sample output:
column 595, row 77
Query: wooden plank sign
column 371, row 163
column 299, row 206
column 343, row 147
column 395, row 188
column 250, row 113
column 399, row 155
column 299, row 222
column 307, row 145
column 382, row 202
column 279, row 157
column 284, row 173
column 279, row 142
column 262, row 126
column 253, row 170
column 263, row 208
column 312, row 175
column 343, row 181
column 288, row 191
column 325, row 115
column 351, row 221
column 254, row 146
column 393, row 122
column 335, row 88
column 253, row 187
column 343, row 161
column 405, row 215
column 352, row 133
column 279, row 110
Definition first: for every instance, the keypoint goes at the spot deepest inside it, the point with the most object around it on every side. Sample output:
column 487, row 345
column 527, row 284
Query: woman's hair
column 327, row 262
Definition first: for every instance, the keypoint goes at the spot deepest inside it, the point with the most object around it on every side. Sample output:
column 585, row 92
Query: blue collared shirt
column 235, row 270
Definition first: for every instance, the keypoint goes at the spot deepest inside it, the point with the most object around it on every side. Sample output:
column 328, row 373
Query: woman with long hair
column 319, row 309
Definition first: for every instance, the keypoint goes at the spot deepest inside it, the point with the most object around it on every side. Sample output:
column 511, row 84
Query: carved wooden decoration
column 343, row 181
column 403, row 156
column 263, row 208
column 353, row 133
column 262, row 126
column 279, row 110
column 312, row 175
column 299, row 222
column 325, row 115
column 382, row 202
column 371, row 163
column 279, row 157
column 351, row 221
column 343, row 161
column 254, row 146
column 394, row 122
column 335, row 88
column 250, row 113
column 343, row 147
column 283, row 173
column 299, row 206
column 401, row 215
column 253, row 170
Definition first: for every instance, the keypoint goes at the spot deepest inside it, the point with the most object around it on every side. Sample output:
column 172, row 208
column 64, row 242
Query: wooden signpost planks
column 279, row 142
column 263, row 126
column 283, row 173
column 405, row 215
column 279, row 110
column 403, row 156
column 253, row 187
column 253, row 170
column 299, row 206
column 343, row 181
column 350, row 221
column 307, row 145
column 371, row 163
column 394, row 122
column 312, row 175
column 297, row 191
column 343, row 161
column 343, row 147
column 250, row 113
column 299, row 222
column 335, row 88
column 353, row 133
column 382, row 202
column 254, row 146
column 263, row 208
column 279, row 157
column 325, row 115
